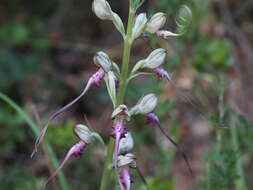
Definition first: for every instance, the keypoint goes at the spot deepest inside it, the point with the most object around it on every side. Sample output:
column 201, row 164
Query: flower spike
column 76, row 150
column 155, row 121
column 95, row 79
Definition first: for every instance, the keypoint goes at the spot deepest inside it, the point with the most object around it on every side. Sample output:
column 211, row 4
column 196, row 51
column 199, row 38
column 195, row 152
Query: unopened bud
column 155, row 58
column 102, row 9
column 83, row 132
column 102, row 60
column 126, row 143
column 156, row 22
column 139, row 25
column 145, row 105
column 86, row 135
column 165, row 34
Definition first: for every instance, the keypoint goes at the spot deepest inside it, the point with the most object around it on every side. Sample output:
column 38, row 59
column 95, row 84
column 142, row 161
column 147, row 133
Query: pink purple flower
column 75, row 150
column 125, row 178
column 95, row 79
column 119, row 131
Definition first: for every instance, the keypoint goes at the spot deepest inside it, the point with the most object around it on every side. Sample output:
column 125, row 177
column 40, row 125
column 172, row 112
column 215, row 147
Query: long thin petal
column 142, row 176
column 178, row 148
column 76, row 149
column 59, row 112
column 116, row 149
column 186, row 98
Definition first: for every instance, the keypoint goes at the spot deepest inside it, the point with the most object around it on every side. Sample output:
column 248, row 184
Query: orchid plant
column 119, row 152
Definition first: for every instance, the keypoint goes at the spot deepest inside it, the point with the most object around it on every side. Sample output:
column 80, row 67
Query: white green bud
column 155, row 58
column 139, row 25
column 102, row 60
column 145, row 105
column 126, row 144
column 102, row 9
column 156, row 22
column 84, row 133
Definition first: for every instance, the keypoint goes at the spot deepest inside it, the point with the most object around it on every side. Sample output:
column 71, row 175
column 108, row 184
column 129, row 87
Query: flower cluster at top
column 108, row 71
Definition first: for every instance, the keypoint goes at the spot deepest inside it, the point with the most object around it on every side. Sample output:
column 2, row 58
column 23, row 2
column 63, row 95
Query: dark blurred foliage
column 46, row 51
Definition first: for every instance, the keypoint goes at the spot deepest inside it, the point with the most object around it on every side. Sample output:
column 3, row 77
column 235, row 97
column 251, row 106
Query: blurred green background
column 46, row 52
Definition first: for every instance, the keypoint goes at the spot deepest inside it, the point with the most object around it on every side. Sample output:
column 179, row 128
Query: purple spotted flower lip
column 119, row 131
column 76, row 150
column 125, row 178
column 95, row 79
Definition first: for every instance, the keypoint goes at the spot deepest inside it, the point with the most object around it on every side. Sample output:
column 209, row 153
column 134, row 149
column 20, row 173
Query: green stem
column 240, row 181
column 126, row 56
column 121, row 94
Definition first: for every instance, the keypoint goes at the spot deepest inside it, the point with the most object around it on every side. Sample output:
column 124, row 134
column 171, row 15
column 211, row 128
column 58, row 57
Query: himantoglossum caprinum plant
column 122, row 158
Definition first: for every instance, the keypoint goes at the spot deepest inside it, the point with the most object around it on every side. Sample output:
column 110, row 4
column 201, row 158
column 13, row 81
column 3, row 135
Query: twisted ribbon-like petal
column 75, row 150
column 95, row 79
column 155, row 121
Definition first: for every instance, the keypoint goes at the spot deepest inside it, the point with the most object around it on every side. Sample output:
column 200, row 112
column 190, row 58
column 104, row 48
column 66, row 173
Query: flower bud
column 155, row 58
column 126, row 143
column 165, row 34
column 102, row 60
column 145, row 105
column 139, row 25
column 84, row 133
column 156, row 22
column 102, row 9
